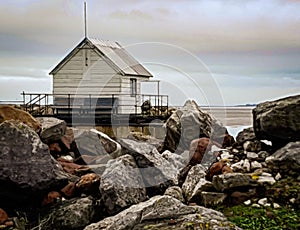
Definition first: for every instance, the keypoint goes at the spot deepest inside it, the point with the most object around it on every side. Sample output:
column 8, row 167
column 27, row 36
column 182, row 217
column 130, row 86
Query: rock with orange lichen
column 51, row 198
column 3, row 216
column 89, row 184
column 12, row 113
column 218, row 168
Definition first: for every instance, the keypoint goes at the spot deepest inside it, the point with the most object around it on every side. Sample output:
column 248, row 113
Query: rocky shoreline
column 58, row 177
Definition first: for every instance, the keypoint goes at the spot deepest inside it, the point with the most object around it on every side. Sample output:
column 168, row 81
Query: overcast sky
column 217, row 52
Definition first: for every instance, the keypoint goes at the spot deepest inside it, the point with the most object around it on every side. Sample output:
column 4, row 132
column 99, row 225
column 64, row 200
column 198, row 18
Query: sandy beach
column 232, row 116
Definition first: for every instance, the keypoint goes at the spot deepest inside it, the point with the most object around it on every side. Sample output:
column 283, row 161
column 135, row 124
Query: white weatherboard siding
column 102, row 69
column 96, row 78
column 128, row 102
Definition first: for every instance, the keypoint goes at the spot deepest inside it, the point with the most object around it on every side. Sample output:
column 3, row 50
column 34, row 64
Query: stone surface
column 176, row 192
column 52, row 129
column 286, row 160
column 179, row 161
column 95, row 143
column 266, row 178
column 157, row 212
column 27, row 170
column 121, row 184
column 73, row 214
column 13, row 113
column 212, row 199
column 255, row 146
column 139, row 136
column 245, row 135
column 252, row 156
column 202, row 185
column 278, row 121
column 232, row 181
column 255, row 165
column 189, row 123
column 157, row 172
column 193, row 177
column 242, row 166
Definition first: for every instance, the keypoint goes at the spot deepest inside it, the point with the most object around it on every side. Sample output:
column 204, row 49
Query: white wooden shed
column 99, row 73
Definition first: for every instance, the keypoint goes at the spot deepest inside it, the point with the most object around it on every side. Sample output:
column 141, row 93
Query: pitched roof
column 114, row 54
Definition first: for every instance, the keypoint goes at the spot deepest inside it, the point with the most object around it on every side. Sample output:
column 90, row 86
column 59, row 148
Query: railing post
column 112, row 103
column 90, row 110
column 69, row 106
column 24, row 106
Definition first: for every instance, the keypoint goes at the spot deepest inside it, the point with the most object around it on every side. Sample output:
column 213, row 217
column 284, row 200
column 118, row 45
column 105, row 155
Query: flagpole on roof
column 85, row 25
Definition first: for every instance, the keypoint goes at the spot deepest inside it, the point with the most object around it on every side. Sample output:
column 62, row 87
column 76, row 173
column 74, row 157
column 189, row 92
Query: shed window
column 133, row 87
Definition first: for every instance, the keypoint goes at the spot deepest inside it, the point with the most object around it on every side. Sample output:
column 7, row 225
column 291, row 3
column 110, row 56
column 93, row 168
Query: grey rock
column 196, row 173
column 242, row 166
column 255, row 165
column 265, row 179
column 278, row 121
column 245, row 135
column 286, row 160
column 73, row 214
column 254, row 146
column 179, row 161
column 176, row 192
column 262, row 201
column 52, row 129
column 263, row 155
column 95, row 143
column 232, row 181
column 157, row 172
column 252, row 156
column 27, row 170
column 202, row 185
column 211, row 199
column 121, row 184
column 189, row 123
column 157, row 212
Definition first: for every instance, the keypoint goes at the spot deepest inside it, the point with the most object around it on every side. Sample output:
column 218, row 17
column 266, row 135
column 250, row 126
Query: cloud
column 250, row 42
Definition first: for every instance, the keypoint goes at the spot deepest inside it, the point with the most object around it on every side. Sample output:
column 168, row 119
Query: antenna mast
column 85, row 26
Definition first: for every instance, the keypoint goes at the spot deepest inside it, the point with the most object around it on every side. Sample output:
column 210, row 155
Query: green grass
column 262, row 218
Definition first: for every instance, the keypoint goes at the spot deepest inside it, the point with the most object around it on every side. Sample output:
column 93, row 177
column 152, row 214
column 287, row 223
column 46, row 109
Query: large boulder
column 53, row 129
column 73, row 214
column 157, row 172
column 164, row 212
column 27, row 170
column 121, row 184
column 189, row 123
column 286, row 160
column 278, row 121
column 12, row 113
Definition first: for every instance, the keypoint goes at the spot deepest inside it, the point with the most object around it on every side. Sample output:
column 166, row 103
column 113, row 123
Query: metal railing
column 83, row 104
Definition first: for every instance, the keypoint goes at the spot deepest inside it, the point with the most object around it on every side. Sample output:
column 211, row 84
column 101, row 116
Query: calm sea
column 234, row 118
